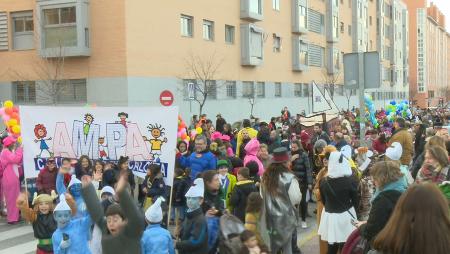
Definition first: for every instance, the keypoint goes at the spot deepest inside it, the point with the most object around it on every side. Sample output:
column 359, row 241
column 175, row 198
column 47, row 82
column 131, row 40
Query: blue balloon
column 393, row 103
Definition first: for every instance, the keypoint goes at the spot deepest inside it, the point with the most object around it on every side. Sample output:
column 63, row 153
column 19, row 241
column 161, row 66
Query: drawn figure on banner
column 123, row 118
column 102, row 149
column 40, row 131
column 157, row 131
column 88, row 119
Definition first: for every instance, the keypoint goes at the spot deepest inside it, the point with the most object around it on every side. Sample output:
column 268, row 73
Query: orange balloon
column 9, row 111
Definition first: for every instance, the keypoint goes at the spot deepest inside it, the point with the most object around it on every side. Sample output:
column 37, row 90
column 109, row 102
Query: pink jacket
column 251, row 150
column 8, row 158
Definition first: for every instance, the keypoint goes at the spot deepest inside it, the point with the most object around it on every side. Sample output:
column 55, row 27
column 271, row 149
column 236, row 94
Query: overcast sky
column 444, row 6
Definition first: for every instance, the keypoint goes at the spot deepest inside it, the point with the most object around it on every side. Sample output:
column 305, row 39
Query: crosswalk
column 17, row 238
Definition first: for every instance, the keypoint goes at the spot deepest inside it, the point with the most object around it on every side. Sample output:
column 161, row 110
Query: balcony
column 252, row 10
column 299, row 54
column 300, row 16
column 251, row 45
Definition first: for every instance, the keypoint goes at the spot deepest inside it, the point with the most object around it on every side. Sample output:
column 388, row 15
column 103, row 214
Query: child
column 243, row 188
column 193, row 236
column 253, row 214
column 227, row 182
column 251, row 245
column 156, row 240
column 153, row 186
column 74, row 188
column 41, row 217
column 180, row 187
column 72, row 235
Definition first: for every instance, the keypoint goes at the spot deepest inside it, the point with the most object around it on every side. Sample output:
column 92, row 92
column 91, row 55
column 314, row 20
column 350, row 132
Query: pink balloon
column 2, row 111
column 6, row 117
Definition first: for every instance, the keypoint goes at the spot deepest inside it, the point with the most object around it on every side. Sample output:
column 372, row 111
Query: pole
column 362, row 106
column 170, row 206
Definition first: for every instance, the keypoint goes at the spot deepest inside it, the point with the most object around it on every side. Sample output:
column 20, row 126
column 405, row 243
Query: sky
column 444, row 6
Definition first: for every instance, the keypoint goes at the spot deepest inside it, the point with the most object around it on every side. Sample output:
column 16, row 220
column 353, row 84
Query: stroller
column 230, row 229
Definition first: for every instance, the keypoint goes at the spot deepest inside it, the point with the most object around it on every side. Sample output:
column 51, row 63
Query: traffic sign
column 166, row 98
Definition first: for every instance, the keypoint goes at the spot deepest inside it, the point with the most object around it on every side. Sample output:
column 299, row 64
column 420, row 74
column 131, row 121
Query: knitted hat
column 154, row 212
column 197, row 190
column 62, row 205
column 73, row 180
column 222, row 163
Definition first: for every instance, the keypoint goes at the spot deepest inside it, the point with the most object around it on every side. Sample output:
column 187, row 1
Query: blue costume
column 199, row 162
column 78, row 232
column 156, row 240
column 61, row 189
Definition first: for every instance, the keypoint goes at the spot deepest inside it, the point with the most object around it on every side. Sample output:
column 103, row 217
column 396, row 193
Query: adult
column 302, row 170
column 252, row 133
column 417, row 227
column 251, row 151
column 436, row 166
column 10, row 159
column 220, row 122
column 46, row 180
column 200, row 160
column 285, row 114
column 339, row 141
column 389, row 187
column 274, row 141
column 339, row 195
column 419, row 139
column 380, row 144
column 281, row 194
column 263, row 155
column 122, row 168
column 320, row 134
column 83, row 167
column 402, row 136
column 264, row 135
column 182, row 151
column 432, row 141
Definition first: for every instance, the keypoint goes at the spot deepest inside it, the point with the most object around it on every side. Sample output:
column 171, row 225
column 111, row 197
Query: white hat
column 395, row 151
column 347, row 151
column 368, row 154
column 338, row 165
column 107, row 189
column 197, row 190
column 73, row 180
column 62, row 205
column 154, row 212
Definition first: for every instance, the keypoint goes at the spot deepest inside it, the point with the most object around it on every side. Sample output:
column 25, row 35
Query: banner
column 146, row 135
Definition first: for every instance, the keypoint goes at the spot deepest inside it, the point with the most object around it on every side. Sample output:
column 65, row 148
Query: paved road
column 19, row 239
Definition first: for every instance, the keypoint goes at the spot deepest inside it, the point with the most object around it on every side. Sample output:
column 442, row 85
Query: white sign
column 146, row 135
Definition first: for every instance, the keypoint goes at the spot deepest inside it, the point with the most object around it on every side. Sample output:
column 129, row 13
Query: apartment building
column 429, row 50
column 261, row 52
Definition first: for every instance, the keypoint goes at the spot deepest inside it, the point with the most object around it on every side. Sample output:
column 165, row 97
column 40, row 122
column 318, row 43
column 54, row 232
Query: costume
column 61, row 189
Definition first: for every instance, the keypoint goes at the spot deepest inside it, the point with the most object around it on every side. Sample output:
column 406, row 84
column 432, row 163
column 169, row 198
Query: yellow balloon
column 12, row 122
column 199, row 130
column 8, row 104
column 188, row 138
column 19, row 139
column 16, row 129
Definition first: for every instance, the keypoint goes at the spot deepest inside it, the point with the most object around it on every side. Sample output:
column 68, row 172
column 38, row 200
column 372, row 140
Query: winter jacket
column 239, row 196
column 220, row 122
column 194, row 235
column 181, row 185
column 199, row 162
column 324, row 136
column 404, row 138
column 46, row 181
column 417, row 164
column 251, row 150
column 129, row 238
column 301, row 168
column 155, row 188
column 157, row 240
column 274, row 144
column 227, row 188
column 339, row 194
column 382, row 207
column 211, row 199
column 252, row 134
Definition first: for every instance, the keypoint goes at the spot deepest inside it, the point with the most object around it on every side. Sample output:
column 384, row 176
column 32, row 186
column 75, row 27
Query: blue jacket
column 156, row 240
column 61, row 189
column 78, row 232
column 197, row 165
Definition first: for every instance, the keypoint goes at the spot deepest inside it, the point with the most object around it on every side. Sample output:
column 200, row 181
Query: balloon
column 188, row 138
column 19, row 139
column 16, row 129
column 15, row 115
column 6, row 118
column 184, row 136
column 9, row 111
column 12, row 122
column 2, row 111
column 199, row 130
column 8, row 104
column 393, row 103
column 15, row 109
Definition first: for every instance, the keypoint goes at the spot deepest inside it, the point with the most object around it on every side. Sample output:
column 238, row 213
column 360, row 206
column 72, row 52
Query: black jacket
column 43, row 228
column 194, row 234
column 302, row 168
column 180, row 187
column 220, row 122
column 339, row 194
column 323, row 136
column 155, row 188
column 238, row 199
column 417, row 164
column 382, row 207
column 213, row 200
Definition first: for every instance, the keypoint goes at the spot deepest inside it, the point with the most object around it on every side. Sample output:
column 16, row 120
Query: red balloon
column 16, row 109
column 9, row 111
column 15, row 115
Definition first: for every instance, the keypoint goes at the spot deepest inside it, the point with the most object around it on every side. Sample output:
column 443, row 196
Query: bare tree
column 204, row 70
column 348, row 92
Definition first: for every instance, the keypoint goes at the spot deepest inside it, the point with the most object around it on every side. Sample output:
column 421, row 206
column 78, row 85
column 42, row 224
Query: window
column 208, row 30
column 73, row 91
column 4, row 31
column 24, row 92
column 335, row 26
column 229, row 34
column 60, row 27
column 256, row 6
column 211, row 89
column 303, row 53
column 23, row 30
column 231, row 89
column 276, row 5
column 302, row 16
column 315, row 21
column 340, row 90
column 189, row 89
column 349, row 30
column 315, row 55
column 251, row 45
column 276, row 43
column 342, row 27
column 298, row 90
column 248, row 90
column 278, row 91
column 305, row 90
column 186, row 26
column 260, row 89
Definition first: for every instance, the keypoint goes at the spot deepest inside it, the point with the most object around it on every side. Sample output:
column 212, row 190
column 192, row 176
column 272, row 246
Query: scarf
column 398, row 185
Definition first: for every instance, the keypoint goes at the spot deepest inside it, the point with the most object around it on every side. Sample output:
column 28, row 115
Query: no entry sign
column 166, row 98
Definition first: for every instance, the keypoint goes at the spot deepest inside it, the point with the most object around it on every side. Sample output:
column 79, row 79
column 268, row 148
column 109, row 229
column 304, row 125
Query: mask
column 62, row 218
column 75, row 190
column 193, row 203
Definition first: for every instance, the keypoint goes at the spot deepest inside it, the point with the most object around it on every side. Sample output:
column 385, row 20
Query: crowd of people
column 246, row 189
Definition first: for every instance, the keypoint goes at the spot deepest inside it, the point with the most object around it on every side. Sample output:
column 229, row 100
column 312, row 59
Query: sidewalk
column 308, row 239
